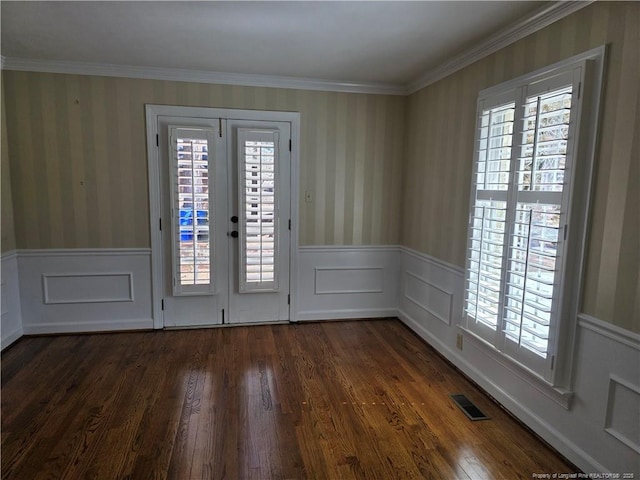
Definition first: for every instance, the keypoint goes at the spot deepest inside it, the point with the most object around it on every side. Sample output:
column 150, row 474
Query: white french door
column 260, row 198
column 225, row 207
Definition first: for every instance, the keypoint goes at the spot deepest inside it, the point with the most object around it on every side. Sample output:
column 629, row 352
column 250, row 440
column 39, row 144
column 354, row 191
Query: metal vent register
column 468, row 408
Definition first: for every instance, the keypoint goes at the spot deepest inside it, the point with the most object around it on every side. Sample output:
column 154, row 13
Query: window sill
column 559, row 395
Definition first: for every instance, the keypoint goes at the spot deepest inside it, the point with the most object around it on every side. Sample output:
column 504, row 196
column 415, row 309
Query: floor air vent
column 467, row 406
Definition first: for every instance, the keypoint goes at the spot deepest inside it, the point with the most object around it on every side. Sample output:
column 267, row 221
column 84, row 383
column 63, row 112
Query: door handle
column 234, row 219
column 234, row 234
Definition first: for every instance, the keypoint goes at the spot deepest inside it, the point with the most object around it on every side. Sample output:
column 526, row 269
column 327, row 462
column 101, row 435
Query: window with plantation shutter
column 489, row 215
column 520, row 213
column 257, row 175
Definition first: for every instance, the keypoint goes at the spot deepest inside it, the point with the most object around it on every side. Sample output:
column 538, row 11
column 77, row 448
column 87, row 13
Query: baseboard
column 347, row 314
column 10, row 338
column 11, row 322
column 81, row 326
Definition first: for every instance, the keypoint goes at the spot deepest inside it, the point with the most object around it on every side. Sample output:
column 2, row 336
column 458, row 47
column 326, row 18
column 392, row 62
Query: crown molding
column 540, row 19
column 198, row 76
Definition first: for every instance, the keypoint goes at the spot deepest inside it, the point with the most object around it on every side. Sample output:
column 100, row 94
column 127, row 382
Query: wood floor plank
column 346, row 400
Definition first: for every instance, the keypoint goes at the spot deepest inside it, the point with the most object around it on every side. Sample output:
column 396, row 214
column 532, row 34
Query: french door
column 225, row 220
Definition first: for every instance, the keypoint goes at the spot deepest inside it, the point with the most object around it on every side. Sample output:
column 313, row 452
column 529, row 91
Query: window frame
column 556, row 378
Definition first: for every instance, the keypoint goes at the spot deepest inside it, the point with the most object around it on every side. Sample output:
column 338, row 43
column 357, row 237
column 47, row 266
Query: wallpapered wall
column 79, row 165
column 438, row 164
column 8, row 242
column 78, row 160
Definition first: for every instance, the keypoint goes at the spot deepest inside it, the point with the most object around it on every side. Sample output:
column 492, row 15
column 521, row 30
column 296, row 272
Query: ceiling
column 379, row 42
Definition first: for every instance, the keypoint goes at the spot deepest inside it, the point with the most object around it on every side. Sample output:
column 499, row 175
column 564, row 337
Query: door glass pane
column 258, row 269
column 191, row 211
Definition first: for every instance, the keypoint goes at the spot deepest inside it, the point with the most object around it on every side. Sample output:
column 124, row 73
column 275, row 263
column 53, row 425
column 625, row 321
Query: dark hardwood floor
column 335, row 400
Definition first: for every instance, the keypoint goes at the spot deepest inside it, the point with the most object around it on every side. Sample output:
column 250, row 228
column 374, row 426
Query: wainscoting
column 64, row 291
column 11, row 326
column 347, row 282
column 595, row 426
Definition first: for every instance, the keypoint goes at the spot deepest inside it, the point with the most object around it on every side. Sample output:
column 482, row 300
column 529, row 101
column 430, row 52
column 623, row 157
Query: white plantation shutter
column 487, row 226
column 519, row 209
column 192, row 204
column 257, row 177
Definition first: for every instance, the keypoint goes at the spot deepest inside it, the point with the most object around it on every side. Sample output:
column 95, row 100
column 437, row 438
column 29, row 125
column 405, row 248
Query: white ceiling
column 391, row 43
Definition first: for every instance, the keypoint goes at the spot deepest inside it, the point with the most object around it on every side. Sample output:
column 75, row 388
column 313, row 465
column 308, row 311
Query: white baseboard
column 90, row 326
column 11, row 326
column 11, row 337
column 85, row 290
column 346, row 314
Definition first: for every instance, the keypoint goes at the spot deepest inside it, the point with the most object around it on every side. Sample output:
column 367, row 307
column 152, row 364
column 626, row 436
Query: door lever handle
column 234, row 234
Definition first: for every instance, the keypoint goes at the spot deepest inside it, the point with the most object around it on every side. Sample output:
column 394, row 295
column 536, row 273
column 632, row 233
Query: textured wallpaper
column 8, row 242
column 438, row 165
column 79, row 165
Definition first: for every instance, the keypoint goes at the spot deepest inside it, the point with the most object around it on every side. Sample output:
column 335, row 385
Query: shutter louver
column 535, row 240
column 518, row 209
column 259, row 212
column 192, row 177
column 488, row 215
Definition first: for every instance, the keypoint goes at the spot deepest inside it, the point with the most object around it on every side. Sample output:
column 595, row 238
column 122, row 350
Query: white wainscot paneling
column 623, row 405
column 431, row 298
column 88, row 288
column 65, row 291
column 598, row 431
column 11, row 326
column 341, row 280
column 347, row 282
column 430, row 294
column 607, row 390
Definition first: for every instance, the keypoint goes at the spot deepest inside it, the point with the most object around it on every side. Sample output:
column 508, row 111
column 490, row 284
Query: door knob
column 234, row 219
column 234, row 234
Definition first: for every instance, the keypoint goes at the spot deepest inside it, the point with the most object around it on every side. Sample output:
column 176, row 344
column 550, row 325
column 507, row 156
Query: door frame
column 152, row 112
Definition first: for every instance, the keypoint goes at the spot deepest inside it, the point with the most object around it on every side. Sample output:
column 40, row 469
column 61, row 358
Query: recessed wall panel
column 348, row 280
column 88, row 288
